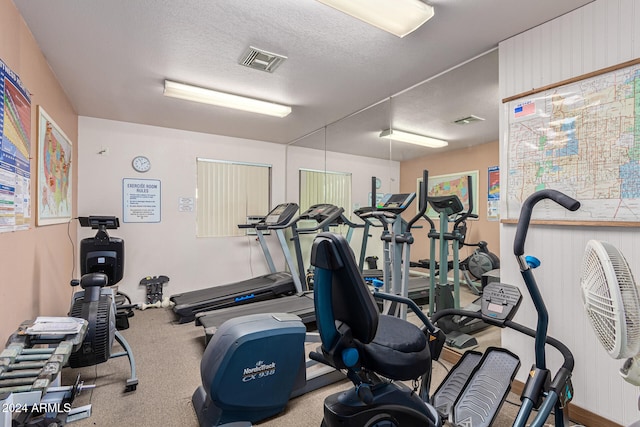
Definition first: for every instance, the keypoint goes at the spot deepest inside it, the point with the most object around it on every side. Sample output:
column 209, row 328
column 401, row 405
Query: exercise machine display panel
column 280, row 215
column 396, row 203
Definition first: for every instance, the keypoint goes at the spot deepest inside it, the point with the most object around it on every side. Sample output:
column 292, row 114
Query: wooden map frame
column 522, row 96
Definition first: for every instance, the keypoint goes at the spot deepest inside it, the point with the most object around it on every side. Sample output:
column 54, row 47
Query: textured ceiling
column 111, row 58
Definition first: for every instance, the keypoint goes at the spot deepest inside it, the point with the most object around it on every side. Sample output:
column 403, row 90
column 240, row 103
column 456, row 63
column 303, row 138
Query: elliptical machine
column 102, row 265
column 442, row 293
column 376, row 349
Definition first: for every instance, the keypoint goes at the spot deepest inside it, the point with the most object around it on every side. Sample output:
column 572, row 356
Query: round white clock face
column 141, row 164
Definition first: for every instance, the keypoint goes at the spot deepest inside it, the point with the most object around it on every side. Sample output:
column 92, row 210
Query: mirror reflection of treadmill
column 268, row 286
column 300, row 304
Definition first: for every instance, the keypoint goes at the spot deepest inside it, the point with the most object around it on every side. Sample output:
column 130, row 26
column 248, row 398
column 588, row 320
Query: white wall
column 601, row 34
column 171, row 247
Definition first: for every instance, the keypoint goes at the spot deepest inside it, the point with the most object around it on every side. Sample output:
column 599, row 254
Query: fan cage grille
column 611, row 299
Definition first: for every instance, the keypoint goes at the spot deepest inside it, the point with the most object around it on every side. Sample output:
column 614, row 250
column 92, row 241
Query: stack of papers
column 55, row 326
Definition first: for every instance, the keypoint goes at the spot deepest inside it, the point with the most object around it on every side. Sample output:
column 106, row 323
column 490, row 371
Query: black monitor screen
column 97, row 256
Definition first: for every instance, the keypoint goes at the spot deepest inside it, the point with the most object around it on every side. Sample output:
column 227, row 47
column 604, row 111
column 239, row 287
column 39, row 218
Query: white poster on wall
column 141, row 200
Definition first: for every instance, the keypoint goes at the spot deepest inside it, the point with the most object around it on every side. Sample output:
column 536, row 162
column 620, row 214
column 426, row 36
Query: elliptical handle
column 422, row 200
column 469, row 213
column 562, row 199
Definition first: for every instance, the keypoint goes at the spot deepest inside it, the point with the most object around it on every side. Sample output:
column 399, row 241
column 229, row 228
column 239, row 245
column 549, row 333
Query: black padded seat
column 399, row 350
column 387, row 345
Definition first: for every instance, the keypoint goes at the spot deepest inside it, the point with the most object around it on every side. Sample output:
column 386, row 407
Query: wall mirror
column 353, row 146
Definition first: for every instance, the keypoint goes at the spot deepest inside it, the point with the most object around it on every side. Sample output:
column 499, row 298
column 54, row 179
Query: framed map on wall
column 54, row 172
column 581, row 137
column 454, row 183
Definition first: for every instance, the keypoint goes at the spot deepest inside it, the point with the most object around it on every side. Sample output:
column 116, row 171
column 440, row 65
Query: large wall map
column 581, row 138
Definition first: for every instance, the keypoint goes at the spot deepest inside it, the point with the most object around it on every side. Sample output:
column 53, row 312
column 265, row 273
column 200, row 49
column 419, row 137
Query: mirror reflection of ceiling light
column 398, row 17
column 221, row 99
column 413, row 138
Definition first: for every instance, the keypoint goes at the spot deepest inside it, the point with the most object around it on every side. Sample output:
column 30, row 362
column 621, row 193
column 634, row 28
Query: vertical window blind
column 325, row 187
column 227, row 193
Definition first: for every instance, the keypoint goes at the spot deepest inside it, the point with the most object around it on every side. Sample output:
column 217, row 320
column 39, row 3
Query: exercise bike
column 378, row 350
column 102, row 266
column 478, row 264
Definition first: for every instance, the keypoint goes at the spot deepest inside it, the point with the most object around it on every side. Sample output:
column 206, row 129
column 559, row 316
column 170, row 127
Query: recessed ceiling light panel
column 413, row 138
column 222, row 99
column 398, row 17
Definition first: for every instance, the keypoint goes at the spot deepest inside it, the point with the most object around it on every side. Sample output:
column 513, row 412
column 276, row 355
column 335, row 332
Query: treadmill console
column 321, row 212
column 280, row 215
column 395, row 203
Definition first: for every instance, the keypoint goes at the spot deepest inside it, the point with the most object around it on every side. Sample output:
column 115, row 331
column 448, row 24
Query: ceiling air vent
column 468, row 120
column 261, row 59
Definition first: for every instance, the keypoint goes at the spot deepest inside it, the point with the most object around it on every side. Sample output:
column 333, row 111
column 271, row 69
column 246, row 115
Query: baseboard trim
column 576, row 413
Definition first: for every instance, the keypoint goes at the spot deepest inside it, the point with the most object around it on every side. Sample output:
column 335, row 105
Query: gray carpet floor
column 168, row 357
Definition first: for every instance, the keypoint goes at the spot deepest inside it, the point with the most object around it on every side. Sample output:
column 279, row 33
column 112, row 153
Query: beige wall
column 35, row 264
column 479, row 158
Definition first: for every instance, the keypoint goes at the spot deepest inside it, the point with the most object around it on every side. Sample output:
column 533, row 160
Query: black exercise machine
column 318, row 217
column 254, row 360
column 101, row 266
column 377, row 350
column 272, row 285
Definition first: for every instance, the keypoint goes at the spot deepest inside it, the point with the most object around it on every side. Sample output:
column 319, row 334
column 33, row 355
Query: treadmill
column 272, row 285
column 300, row 304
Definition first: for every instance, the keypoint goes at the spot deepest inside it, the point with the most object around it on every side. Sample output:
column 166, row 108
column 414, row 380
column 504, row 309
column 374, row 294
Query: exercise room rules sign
column 141, row 200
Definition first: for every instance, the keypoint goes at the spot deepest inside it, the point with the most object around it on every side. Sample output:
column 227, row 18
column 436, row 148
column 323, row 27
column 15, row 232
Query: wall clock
column 141, row 164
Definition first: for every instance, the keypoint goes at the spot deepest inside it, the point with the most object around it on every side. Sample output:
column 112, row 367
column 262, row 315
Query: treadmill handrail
column 242, row 226
column 346, row 221
column 292, row 221
column 325, row 223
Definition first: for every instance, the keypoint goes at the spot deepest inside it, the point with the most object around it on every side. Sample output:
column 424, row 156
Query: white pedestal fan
column 612, row 304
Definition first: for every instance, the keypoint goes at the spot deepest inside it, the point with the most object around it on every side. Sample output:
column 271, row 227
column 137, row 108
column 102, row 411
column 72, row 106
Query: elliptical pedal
column 486, row 389
column 449, row 390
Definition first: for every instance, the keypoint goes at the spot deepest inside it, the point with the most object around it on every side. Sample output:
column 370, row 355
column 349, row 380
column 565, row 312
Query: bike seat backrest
column 341, row 294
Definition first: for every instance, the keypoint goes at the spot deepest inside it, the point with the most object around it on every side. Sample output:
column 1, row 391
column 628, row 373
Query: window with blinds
column 229, row 192
column 325, row 187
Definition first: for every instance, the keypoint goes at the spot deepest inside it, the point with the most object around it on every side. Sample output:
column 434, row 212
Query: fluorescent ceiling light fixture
column 398, row 17
column 221, row 99
column 413, row 138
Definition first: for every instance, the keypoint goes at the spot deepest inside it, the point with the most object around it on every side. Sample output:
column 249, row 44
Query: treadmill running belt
column 301, row 305
column 256, row 289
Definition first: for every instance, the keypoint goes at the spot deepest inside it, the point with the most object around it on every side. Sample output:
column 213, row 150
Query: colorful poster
column 15, row 149
column 493, row 193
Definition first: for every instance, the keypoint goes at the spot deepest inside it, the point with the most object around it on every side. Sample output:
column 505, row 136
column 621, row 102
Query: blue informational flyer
column 15, row 149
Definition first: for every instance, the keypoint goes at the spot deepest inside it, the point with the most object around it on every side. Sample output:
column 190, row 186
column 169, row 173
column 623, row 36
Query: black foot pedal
column 447, row 393
column 460, row 341
column 486, row 389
